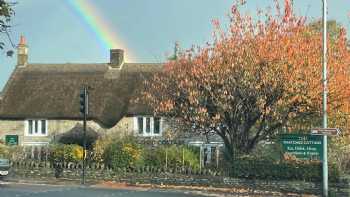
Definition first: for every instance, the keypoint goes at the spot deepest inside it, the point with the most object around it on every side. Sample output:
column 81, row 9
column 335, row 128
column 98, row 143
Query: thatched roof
column 52, row 91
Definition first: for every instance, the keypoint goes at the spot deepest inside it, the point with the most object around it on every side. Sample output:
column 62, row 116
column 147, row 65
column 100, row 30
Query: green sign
column 302, row 146
column 11, row 140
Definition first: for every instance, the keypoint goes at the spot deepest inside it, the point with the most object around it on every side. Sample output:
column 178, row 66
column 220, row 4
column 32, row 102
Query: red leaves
column 270, row 66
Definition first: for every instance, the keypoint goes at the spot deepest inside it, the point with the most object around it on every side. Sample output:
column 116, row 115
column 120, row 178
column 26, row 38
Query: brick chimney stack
column 116, row 58
column 22, row 52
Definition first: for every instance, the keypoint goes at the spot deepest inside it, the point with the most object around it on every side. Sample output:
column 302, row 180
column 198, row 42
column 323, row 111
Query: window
column 156, row 125
column 30, row 127
column 36, row 127
column 43, row 127
column 148, row 126
column 140, row 125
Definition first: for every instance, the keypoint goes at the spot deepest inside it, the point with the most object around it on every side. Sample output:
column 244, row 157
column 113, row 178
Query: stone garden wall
column 162, row 176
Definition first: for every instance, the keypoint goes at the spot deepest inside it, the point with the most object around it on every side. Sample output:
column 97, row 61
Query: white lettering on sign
column 302, row 142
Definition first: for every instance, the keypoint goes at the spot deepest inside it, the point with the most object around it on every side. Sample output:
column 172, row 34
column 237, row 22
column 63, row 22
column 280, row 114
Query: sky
column 61, row 31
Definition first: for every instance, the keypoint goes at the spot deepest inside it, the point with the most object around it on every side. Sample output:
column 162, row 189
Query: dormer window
column 36, row 127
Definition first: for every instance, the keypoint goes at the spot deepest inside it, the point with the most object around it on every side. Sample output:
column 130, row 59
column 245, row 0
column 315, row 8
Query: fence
column 205, row 159
column 96, row 171
column 159, row 176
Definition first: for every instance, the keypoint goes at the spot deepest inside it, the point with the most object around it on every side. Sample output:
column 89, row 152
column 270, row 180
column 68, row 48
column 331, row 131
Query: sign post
column 302, row 146
column 324, row 99
column 324, row 132
column 11, row 140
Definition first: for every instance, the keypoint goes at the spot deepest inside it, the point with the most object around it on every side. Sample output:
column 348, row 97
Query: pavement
column 67, row 188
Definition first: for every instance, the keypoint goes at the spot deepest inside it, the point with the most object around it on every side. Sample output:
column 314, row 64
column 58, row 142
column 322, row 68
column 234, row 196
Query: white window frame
column 151, row 133
column 37, row 122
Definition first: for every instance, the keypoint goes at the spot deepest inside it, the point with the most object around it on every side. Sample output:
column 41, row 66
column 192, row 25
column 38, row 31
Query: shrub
column 4, row 151
column 65, row 153
column 122, row 153
column 14, row 153
column 266, row 169
column 74, row 136
column 176, row 155
column 191, row 156
column 104, row 142
column 56, row 153
column 153, row 156
column 269, row 151
column 99, row 147
column 339, row 153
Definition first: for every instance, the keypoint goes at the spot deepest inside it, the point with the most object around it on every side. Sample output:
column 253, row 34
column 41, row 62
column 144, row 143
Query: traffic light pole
column 86, row 103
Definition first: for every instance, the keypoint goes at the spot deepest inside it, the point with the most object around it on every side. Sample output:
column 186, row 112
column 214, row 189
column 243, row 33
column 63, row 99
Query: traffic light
column 82, row 102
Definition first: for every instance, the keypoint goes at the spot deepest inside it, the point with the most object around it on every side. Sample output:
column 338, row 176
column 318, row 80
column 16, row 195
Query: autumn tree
column 255, row 78
column 6, row 13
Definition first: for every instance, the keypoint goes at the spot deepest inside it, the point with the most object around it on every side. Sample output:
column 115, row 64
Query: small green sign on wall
column 11, row 140
column 302, row 146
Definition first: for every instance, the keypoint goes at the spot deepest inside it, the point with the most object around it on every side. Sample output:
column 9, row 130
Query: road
column 29, row 190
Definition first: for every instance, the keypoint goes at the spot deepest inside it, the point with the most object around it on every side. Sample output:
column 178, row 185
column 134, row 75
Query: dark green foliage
column 65, row 153
column 75, row 136
column 177, row 156
column 115, row 157
column 6, row 13
column 122, row 154
column 153, row 156
column 264, row 169
column 60, row 153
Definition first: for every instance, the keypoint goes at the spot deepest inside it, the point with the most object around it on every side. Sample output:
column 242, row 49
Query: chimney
column 116, row 58
column 22, row 52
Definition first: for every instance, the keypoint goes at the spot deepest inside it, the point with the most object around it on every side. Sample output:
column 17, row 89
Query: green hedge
column 122, row 154
column 65, row 153
column 264, row 169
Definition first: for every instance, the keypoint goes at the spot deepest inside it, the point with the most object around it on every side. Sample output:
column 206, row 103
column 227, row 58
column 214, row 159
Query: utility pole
column 84, row 109
column 324, row 106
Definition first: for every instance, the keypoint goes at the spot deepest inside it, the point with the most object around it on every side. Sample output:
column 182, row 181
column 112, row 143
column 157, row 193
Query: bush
column 4, row 151
column 266, row 169
column 65, row 153
column 339, row 153
column 103, row 143
column 122, row 153
column 153, row 156
column 175, row 154
column 74, row 136
column 99, row 147
column 14, row 153
column 269, row 151
column 156, row 156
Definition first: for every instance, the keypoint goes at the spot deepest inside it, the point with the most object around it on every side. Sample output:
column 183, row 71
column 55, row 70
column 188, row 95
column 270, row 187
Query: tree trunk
column 229, row 156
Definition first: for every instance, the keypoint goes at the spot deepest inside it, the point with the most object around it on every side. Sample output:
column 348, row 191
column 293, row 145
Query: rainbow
column 104, row 33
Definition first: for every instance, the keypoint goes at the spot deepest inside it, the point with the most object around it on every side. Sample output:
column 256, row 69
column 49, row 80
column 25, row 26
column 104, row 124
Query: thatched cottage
column 41, row 101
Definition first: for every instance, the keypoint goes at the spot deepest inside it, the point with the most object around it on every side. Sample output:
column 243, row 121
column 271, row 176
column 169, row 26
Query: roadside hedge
column 65, row 153
column 285, row 170
column 122, row 155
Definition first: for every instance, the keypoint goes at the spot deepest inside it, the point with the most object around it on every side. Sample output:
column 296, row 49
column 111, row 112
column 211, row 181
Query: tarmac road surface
column 43, row 190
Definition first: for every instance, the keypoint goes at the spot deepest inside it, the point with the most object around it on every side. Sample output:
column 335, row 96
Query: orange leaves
column 166, row 105
column 265, row 70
